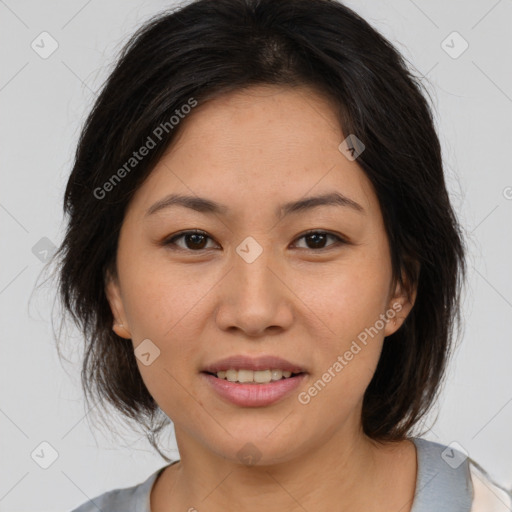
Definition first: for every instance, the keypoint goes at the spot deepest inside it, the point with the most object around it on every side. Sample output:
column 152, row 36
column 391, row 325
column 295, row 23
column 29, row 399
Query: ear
column 113, row 293
column 400, row 304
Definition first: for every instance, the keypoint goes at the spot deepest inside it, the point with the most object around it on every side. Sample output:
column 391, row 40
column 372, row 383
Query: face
column 304, row 284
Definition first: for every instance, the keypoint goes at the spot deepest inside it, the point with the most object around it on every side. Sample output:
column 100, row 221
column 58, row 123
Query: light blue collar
column 443, row 479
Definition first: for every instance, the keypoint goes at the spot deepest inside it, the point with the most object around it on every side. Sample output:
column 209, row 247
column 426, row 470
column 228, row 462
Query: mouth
column 248, row 388
column 254, row 381
column 246, row 376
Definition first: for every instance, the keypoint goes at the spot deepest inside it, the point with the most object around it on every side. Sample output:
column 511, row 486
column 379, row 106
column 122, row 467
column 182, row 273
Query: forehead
column 265, row 144
column 262, row 122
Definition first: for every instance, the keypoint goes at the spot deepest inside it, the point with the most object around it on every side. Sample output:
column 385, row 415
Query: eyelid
column 340, row 239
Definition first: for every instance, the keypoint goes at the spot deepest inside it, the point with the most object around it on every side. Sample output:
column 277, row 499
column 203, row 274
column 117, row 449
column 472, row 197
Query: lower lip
column 254, row 395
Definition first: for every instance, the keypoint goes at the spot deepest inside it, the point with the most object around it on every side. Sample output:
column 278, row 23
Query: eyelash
column 171, row 241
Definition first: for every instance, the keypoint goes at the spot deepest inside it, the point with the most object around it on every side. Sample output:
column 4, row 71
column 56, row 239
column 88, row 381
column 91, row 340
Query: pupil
column 194, row 238
column 317, row 235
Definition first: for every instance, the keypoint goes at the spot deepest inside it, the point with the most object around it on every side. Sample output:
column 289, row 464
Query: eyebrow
column 204, row 205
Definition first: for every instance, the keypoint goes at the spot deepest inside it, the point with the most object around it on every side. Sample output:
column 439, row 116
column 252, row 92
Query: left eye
column 319, row 237
column 196, row 240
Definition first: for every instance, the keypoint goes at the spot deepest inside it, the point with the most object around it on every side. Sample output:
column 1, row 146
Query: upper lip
column 264, row 362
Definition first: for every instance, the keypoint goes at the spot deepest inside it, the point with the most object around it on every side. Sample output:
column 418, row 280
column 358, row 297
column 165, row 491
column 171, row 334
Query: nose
column 255, row 297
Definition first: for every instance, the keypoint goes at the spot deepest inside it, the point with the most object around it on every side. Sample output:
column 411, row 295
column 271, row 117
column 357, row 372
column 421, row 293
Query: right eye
column 194, row 240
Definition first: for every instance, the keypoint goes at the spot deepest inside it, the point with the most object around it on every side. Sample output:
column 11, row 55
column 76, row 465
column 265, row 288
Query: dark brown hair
column 208, row 48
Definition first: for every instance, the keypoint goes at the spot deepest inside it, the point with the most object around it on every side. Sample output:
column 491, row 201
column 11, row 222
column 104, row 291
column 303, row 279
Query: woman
column 262, row 250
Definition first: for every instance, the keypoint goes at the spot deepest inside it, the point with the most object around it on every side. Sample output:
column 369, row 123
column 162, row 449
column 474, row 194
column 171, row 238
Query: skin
column 198, row 301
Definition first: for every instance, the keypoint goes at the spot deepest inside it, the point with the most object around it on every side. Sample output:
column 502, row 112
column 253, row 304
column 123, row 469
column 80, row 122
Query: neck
column 346, row 471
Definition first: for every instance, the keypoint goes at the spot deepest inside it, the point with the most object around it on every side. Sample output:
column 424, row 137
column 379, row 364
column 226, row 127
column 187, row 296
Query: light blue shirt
column 443, row 483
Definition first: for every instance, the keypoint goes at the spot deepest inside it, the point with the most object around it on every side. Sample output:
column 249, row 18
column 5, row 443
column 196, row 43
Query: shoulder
column 447, row 474
column 134, row 498
column 110, row 501
column 488, row 496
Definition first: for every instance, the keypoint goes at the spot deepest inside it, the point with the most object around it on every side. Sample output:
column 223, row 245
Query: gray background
column 44, row 101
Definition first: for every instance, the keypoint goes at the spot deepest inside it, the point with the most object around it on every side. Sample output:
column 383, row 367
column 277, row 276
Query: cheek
column 346, row 328
column 166, row 310
column 346, row 356
column 161, row 297
column 169, row 306
column 347, row 300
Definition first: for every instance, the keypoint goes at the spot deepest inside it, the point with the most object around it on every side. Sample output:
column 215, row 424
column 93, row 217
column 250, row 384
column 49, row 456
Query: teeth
column 253, row 377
